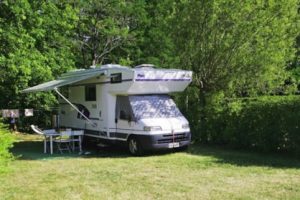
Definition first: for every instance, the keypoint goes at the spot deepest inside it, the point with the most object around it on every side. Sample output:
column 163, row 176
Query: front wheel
column 134, row 146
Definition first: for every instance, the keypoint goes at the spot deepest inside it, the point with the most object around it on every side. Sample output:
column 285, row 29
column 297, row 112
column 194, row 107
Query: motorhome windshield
column 153, row 106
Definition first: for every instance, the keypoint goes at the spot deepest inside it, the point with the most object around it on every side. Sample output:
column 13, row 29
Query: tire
column 134, row 146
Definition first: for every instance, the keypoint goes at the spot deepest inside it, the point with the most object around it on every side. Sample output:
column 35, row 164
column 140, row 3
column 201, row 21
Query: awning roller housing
column 65, row 79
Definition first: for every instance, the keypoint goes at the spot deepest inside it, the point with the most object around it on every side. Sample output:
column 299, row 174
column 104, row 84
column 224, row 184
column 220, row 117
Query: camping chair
column 76, row 140
column 64, row 141
column 43, row 133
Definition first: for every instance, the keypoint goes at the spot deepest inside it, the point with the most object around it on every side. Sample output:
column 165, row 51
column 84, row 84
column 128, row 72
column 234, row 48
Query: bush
column 265, row 123
column 6, row 142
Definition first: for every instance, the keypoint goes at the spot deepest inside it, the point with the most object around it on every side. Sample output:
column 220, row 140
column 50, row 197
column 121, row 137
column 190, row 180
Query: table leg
column 51, row 144
column 80, row 141
column 73, row 145
column 45, row 144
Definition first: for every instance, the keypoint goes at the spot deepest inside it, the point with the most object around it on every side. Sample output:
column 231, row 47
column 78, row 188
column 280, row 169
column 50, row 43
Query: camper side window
column 116, row 78
column 90, row 93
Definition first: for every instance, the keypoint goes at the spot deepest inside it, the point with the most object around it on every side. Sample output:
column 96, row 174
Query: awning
column 66, row 79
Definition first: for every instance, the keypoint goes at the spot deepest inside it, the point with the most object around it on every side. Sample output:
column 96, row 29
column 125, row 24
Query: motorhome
column 121, row 104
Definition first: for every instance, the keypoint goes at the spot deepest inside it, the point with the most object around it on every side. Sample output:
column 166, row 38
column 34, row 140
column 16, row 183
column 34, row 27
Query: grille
column 168, row 138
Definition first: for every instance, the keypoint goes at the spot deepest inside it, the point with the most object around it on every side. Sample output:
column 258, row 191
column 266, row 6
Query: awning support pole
column 73, row 106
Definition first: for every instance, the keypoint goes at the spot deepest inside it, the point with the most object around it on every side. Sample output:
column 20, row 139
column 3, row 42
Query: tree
column 156, row 46
column 237, row 48
column 294, row 67
column 35, row 46
column 106, row 29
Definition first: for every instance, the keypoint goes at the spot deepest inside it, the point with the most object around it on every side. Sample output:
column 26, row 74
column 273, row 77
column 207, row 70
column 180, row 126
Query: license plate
column 174, row 145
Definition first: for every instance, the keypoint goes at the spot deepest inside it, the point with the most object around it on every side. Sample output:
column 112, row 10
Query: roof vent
column 145, row 66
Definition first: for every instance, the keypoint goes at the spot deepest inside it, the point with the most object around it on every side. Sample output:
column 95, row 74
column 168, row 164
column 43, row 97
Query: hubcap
column 133, row 146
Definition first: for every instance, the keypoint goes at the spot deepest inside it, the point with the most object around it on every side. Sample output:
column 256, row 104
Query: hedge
column 266, row 123
column 6, row 142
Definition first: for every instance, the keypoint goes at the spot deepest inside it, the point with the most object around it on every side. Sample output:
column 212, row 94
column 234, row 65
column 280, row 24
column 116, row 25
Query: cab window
column 123, row 109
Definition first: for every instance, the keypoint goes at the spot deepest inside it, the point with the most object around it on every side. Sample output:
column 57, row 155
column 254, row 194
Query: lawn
column 111, row 173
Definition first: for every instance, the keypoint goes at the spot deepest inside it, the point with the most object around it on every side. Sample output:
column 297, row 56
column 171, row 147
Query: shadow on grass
column 33, row 150
column 245, row 158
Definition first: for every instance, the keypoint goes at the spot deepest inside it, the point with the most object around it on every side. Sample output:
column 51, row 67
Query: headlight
column 185, row 126
column 152, row 128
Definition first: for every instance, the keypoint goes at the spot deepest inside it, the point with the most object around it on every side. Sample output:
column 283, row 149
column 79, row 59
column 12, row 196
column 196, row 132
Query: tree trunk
column 202, row 115
column 94, row 56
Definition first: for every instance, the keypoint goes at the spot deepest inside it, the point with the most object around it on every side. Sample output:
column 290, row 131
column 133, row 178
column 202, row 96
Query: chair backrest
column 37, row 130
column 49, row 131
column 65, row 133
column 78, row 132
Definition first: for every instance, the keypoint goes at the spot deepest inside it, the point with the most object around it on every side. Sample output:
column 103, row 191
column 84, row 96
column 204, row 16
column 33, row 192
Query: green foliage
column 237, row 49
column 156, row 46
column 294, row 67
column 108, row 31
column 266, row 123
column 35, row 46
column 6, row 142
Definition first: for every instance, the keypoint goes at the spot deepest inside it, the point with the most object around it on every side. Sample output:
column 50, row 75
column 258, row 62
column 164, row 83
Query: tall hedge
column 6, row 142
column 266, row 123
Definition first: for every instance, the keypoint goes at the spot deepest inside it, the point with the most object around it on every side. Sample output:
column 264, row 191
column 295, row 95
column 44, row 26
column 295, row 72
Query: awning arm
column 75, row 107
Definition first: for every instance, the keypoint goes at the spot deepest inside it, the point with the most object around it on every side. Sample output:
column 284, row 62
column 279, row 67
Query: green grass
column 199, row 173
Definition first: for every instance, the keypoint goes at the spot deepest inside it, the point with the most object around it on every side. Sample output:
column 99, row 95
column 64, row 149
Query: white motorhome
column 117, row 103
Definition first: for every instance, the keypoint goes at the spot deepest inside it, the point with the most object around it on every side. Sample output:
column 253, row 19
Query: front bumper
column 164, row 141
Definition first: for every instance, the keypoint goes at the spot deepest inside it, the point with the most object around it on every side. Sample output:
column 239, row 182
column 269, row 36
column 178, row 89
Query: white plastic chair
column 77, row 139
column 64, row 141
column 43, row 133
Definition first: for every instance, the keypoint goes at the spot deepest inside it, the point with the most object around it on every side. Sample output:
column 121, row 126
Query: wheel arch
column 130, row 136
